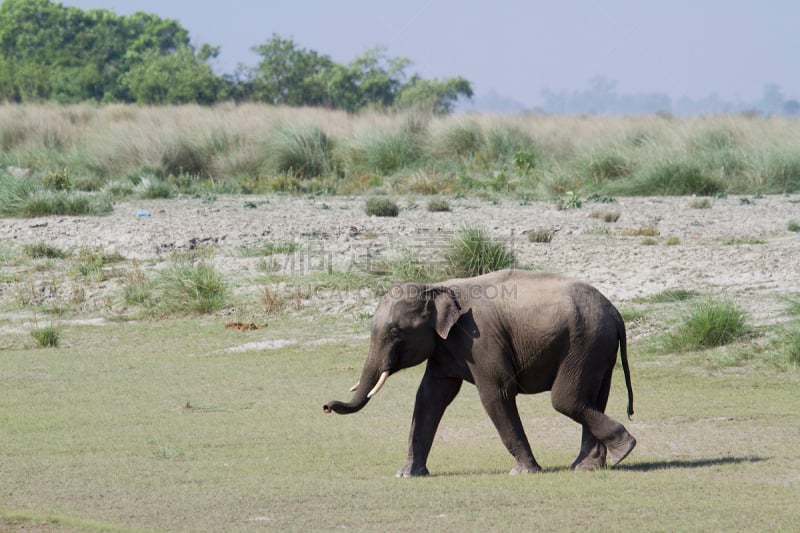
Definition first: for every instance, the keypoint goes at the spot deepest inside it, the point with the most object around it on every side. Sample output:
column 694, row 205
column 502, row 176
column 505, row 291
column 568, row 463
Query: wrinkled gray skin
column 509, row 332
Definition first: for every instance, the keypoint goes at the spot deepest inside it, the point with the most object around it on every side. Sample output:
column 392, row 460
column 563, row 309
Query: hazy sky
column 518, row 48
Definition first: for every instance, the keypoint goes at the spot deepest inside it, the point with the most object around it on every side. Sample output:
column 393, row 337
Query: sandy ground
column 738, row 248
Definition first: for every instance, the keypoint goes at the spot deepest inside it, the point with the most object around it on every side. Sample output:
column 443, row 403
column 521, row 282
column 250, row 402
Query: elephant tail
column 623, row 354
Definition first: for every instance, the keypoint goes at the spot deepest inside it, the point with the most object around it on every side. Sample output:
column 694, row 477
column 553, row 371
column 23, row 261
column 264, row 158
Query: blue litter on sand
column 143, row 213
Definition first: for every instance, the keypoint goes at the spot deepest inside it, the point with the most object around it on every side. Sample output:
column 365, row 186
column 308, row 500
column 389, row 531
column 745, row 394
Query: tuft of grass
column 790, row 346
column 473, row 252
column 793, row 225
column 606, row 216
column 673, row 241
column 182, row 289
column 609, row 166
column 735, row 241
column 154, row 188
column 43, row 250
column 700, row 203
column 672, row 295
column 646, row 231
column 709, row 324
column 302, row 153
column 47, row 336
column 437, row 205
column 381, row 207
column 541, row 236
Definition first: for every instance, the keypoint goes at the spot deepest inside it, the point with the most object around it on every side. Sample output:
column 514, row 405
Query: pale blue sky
column 679, row 47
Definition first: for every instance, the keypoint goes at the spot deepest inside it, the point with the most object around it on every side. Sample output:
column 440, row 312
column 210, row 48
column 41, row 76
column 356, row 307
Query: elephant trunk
column 371, row 382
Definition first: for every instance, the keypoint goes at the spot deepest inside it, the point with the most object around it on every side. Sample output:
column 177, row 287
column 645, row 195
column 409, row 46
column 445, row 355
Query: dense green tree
column 176, row 78
column 50, row 51
column 290, row 75
column 437, row 96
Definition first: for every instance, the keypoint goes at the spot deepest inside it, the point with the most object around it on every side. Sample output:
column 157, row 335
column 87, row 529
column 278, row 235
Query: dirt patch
column 739, row 247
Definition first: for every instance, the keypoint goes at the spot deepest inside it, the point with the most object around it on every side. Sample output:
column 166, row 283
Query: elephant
column 508, row 332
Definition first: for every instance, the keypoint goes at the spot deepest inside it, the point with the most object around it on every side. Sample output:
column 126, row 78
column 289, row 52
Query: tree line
column 49, row 52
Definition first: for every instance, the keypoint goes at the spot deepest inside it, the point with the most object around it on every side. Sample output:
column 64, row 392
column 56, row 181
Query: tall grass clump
column 461, row 140
column 671, row 178
column 20, row 196
column 183, row 288
column 386, row 152
column 709, row 324
column 43, row 250
column 474, row 252
column 303, row 153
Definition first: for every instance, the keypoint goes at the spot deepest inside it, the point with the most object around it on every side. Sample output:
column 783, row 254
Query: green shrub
column 473, row 252
column 381, row 207
column 709, row 324
column 570, row 200
column 793, row 225
column 437, row 205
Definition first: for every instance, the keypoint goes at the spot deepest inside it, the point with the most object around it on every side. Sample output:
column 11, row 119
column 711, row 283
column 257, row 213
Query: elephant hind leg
column 585, row 404
column 593, row 453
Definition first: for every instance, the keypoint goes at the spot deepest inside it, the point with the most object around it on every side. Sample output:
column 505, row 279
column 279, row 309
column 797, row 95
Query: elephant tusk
column 378, row 385
column 354, row 387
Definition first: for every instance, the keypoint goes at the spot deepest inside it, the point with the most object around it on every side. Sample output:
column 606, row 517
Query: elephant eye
column 395, row 334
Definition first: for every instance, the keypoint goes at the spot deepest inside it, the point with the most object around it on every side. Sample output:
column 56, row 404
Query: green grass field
column 181, row 424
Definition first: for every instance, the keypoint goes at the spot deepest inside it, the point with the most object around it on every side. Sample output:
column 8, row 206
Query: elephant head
column 405, row 327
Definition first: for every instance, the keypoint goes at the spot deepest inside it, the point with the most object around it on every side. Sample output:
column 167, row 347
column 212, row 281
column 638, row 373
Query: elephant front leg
column 502, row 409
column 433, row 397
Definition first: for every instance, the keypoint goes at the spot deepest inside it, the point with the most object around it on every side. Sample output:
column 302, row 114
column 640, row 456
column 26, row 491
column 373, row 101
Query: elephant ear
column 448, row 309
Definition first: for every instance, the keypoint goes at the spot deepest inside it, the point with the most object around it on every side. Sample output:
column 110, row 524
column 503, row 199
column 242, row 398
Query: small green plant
column 90, row 261
column 437, row 205
column 381, row 207
column 47, row 336
column 473, row 252
column 43, row 250
column 58, row 181
column 570, row 200
column 793, row 225
column 673, row 241
column 524, row 161
column 709, row 324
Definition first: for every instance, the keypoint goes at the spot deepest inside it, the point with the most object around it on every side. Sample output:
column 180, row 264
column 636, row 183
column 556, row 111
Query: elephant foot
column 520, row 468
column 621, row 447
column 590, row 462
column 410, row 471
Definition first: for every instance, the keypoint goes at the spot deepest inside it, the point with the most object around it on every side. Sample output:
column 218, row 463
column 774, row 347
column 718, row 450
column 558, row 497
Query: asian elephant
column 508, row 332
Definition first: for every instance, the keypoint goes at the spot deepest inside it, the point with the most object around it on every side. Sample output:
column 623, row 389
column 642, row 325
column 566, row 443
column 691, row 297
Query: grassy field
column 81, row 158
column 181, row 424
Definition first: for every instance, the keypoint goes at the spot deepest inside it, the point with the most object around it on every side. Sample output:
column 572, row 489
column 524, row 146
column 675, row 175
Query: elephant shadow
column 644, row 466
column 650, row 466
